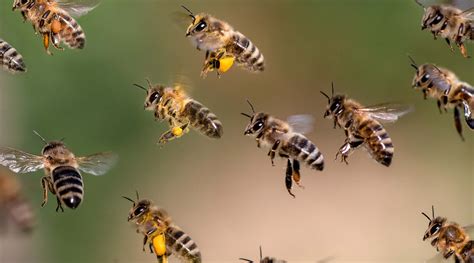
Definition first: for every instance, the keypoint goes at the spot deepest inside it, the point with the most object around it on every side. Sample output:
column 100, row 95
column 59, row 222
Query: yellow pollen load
column 159, row 245
column 226, row 63
column 177, row 131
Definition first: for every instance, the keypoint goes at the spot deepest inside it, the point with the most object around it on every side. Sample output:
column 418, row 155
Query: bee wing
column 387, row 112
column 302, row 123
column 78, row 8
column 97, row 164
column 439, row 78
column 20, row 162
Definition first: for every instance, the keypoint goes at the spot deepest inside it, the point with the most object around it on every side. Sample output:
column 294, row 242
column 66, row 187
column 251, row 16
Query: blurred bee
column 53, row 19
column 223, row 45
column 264, row 260
column 450, row 92
column 450, row 23
column 163, row 237
column 61, row 167
column 287, row 140
column 449, row 238
column 10, row 59
column 362, row 126
column 13, row 204
column 172, row 104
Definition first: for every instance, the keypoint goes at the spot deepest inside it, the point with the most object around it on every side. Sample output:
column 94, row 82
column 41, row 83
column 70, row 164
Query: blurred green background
column 224, row 193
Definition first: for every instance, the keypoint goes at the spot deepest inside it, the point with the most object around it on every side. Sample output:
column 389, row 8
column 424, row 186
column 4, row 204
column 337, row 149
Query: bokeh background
column 224, row 193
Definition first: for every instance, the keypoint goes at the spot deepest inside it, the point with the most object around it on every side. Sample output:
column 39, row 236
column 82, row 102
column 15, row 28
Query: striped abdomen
column 181, row 245
column 10, row 59
column 71, row 32
column 467, row 252
column 302, row 149
column 247, row 54
column 202, row 119
column 68, row 185
column 377, row 141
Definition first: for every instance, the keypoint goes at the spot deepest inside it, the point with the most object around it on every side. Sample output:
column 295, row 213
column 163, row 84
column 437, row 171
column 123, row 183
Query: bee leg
column 449, row 44
column 288, row 179
column 47, row 185
column 46, row 43
column 173, row 133
column 59, row 205
column 145, row 240
column 463, row 50
column 457, row 259
column 448, row 253
column 434, row 242
column 296, row 173
column 259, row 136
column 150, row 246
column 23, row 14
column 272, row 151
column 55, row 41
column 438, row 102
column 467, row 115
column 425, row 94
column 457, row 122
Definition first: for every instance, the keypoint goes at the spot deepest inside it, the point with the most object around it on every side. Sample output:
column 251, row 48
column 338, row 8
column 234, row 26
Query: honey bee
column 13, row 204
column 449, row 238
column 163, row 237
column 53, row 19
column 223, row 45
column 362, row 126
column 62, row 177
column 450, row 92
column 10, row 59
column 450, row 23
column 286, row 139
column 265, row 259
column 172, row 104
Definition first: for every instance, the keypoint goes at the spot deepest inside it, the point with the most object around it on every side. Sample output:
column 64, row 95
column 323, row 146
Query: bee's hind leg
column 288, row 177
column 59, row 205
column 46, row 40
column 449, row 44
column 457, row 122
column 296, row 173
column 46, row 184
column 174, row 132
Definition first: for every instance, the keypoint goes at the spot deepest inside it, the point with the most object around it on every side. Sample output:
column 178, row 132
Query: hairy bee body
column 161, row 234
column 449, row 91
column 450, row 23
column 68, row 186
column 219, row 39
column 14, row 204
column 10, row 59
column 450, row 239
column 173, row 105
column 52, row 22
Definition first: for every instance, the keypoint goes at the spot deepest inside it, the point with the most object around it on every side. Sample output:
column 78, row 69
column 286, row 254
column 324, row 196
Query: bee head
column 432, row 18
column 422, row 76
column 434, row 224
column 20, row 3
column 199, row 24
column 257, row 121
column 51, row 146
column 335, row 103
column 154, row 95
column 139, row 207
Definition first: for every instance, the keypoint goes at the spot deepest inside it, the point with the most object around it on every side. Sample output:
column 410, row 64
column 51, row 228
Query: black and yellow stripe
column 378, row 141
column 302, row 149
column 202, row 119
column 10, row 59
column 68, row 186
column 72, row 33
column 181, row 245
column 247, row 53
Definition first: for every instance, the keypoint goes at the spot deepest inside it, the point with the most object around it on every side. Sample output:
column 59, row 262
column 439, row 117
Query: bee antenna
column 251, row 106
column 420, row 4
column 325, row 95
column 190, row 13
column 63, row 138
column 246, row 115
column 138, row 196
column 41, row 137
column 413, row 63
column 261, row 256
column 423, row 213
column 432, row 211
column 244, row 259
column 129, row 199
column 141, row 87
column 332, row 89
column 149, row 83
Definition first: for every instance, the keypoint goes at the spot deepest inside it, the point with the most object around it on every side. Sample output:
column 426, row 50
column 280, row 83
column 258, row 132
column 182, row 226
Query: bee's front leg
column 145, row 240
column 463, row 49
column 45, row 184
column 296, row 173
column 457, row 122
column 272, row 151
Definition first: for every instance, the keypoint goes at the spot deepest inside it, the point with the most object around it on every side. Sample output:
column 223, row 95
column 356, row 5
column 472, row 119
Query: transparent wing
column 78, row 8
column 302, row 123
column 97, row 164
column 387, row 112
column 20, row 162
column 438, row 78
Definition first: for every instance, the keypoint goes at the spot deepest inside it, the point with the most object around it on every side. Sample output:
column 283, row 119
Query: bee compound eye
column 24, row 2
column 201, row 26
column 425, row 78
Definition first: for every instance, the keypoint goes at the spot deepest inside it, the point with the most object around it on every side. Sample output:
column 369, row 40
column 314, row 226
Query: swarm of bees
column 162, row 236
column 13, row 204
column 449, row 238
column 224, row 46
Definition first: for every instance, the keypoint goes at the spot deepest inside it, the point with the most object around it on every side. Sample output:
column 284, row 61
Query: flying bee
column 287, row 140
column 449, row 238
column 53, row 19
column 362, row 126
column 10, row 59
column 264, row 259
column 450, row 23
column 450, row 92
column 13, row 204
column 163, row 237
column 62, row 177
column 172, row 104
column 223, row 45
